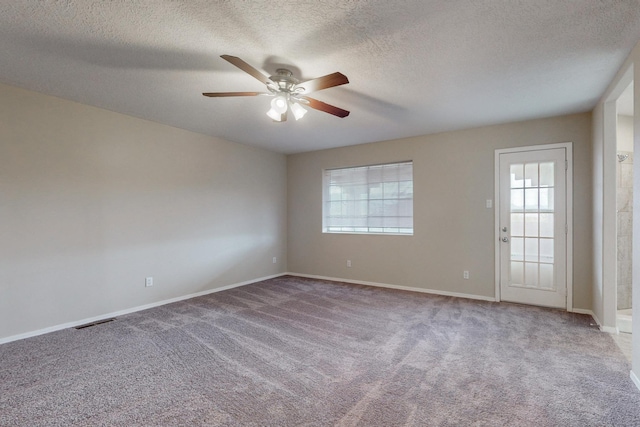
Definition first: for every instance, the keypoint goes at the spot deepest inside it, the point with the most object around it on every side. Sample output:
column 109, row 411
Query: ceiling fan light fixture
column 274, row 115
column 279, row 104
column 298, row 110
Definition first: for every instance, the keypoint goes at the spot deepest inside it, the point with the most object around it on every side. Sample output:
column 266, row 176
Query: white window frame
column 368, row 209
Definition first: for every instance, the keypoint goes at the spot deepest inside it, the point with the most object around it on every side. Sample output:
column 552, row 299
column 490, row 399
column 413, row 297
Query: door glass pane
column 517, row 200
column 517, row 273
column 531, row 199
column 531, row 274
column 546, row 250
column 546, row 199
column 517, row 175
column 517, row 249
column 531, row 250
column 546, row 225
column 546, row 174
column 517, row 224
column 531, row 175
column 531, row 225
column 546, row 276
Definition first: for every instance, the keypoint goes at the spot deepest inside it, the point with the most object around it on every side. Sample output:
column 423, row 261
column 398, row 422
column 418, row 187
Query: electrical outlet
column 489, row 204
column 148, row 282
column 349, row 263
column 465, row 274
column 275, row 260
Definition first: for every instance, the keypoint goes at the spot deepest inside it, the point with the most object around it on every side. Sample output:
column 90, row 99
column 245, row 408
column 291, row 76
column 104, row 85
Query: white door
column 533, row 227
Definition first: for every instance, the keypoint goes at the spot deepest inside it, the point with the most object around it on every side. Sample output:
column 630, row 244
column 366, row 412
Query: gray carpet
column 301, row 352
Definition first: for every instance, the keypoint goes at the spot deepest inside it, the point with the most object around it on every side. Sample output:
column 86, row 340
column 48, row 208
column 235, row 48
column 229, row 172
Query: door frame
column 606, row 273
column 568, row 146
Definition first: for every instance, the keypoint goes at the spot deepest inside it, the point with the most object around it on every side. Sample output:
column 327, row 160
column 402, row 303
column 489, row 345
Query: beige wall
column 92, row 202
column 454, row 231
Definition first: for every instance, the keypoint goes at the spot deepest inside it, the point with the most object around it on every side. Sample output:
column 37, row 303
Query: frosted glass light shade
column 279, row 104
column 298, row 110
column 274, row 115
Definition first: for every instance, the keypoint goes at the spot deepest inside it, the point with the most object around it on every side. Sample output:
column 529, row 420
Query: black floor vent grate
column 99, row 322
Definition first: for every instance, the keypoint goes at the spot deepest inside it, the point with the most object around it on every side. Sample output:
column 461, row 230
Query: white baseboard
column 624, row 323
column 635, row 379
column 131, row 310
column 403, row 288
column 608, row 329
column 583, row 311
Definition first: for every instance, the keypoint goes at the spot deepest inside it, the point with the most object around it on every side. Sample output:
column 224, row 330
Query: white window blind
column 369, row 199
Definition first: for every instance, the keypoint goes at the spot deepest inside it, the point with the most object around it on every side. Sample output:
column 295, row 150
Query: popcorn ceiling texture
column 415, row 67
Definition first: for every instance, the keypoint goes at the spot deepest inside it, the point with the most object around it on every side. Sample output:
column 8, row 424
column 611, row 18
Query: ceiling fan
column 289, row 93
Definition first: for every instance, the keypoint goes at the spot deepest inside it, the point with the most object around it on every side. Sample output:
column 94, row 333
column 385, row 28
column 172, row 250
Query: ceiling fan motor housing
column 284, row 81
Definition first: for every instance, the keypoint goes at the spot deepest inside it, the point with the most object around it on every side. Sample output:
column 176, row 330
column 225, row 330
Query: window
column 369, row 199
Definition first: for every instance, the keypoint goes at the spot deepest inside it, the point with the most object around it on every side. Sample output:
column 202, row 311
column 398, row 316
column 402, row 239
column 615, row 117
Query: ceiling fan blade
column 324, row 82
column 327, row 108
column 246, row 68
column 220, row 94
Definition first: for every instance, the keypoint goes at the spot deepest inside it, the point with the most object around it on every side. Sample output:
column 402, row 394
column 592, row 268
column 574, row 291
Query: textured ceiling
column 415, row 67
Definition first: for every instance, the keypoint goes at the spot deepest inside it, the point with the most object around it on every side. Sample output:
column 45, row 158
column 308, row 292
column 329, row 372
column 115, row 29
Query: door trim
column 568, row 146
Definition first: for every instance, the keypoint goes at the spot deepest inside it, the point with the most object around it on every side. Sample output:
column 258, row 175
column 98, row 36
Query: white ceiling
column 415, row 67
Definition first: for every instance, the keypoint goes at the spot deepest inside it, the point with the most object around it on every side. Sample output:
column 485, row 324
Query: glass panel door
column 532, row 218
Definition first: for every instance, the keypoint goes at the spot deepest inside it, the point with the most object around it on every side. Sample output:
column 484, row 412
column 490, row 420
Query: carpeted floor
column 302, row 352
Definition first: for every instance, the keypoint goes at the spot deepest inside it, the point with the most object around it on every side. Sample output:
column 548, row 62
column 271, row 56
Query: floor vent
column 99, row 322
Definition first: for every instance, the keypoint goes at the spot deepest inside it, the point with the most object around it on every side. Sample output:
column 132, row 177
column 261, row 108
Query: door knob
column 504, row 229
column 505, row 239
